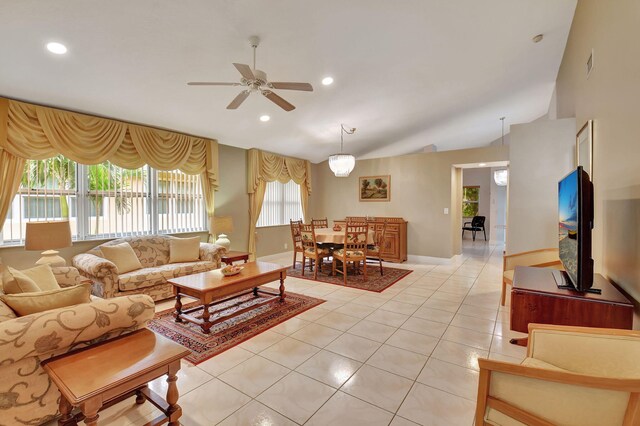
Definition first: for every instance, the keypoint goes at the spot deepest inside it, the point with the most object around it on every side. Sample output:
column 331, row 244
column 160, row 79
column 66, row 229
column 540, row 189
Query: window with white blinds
column 281, row 204
column 104, row 200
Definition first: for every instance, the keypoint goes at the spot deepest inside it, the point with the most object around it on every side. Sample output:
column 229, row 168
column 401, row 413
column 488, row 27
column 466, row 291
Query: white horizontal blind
column 104, row 200
column 281, row 203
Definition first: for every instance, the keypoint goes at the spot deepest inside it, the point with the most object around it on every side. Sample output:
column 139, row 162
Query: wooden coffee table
column 109, row 372
column 212, row 288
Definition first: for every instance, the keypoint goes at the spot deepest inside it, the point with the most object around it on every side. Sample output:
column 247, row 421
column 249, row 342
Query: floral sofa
column 153, row 253
column 27, row 395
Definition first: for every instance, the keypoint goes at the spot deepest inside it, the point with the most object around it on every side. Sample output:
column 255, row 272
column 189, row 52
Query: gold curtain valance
column 268, row 167
column 35, row 132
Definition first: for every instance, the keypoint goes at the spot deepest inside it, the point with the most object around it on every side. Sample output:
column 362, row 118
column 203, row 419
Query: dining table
column 329, row 236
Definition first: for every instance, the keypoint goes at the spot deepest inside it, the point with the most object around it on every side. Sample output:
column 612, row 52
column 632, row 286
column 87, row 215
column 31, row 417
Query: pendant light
column 342, row 164
column 501, row 177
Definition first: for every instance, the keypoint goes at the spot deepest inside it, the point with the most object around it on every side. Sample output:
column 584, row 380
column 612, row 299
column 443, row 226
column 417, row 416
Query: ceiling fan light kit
column 256, row 81
column 342, row 164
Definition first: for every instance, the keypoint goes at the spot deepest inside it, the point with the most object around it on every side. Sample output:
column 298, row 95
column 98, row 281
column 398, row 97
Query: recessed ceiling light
column 265, row 118
column 57, row 48
column 327, row 81
column 482, row 164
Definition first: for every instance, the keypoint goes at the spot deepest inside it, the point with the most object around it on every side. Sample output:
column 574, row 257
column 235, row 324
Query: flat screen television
column 575, row 222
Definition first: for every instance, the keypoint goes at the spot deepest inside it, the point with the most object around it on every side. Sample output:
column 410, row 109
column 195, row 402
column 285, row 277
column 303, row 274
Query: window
column 104, row 200
column 281, row 204
column 470, row 198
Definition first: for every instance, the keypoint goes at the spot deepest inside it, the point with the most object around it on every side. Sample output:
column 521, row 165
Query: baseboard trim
column 269, row 257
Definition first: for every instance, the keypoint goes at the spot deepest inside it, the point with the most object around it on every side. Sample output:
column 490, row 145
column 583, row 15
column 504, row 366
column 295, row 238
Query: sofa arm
column 61, row 330
column 595, row 351
column 212, row 253
column 102, row 272
column 68, row 276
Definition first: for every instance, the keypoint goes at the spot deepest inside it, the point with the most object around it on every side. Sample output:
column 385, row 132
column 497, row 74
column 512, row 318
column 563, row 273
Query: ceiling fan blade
column 245, row 70
column 292, row 86
column 210, row 83
column 238, row 100
column 278, row 100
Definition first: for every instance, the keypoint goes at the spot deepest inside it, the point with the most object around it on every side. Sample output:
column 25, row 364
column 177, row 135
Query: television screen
column 575, row 221
column 568, row 224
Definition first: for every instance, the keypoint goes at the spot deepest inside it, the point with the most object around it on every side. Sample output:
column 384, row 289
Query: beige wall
column 540, row 154
column 421, row 187
column 611, row 97
column 480, row 177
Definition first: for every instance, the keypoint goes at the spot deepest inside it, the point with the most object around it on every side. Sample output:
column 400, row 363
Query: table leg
column 178, row 308
column 174, row 411
column 206, row 324
column 255, row 291
column 282, row 295
column 65, row 412
column 90, row 410
column 139, row 396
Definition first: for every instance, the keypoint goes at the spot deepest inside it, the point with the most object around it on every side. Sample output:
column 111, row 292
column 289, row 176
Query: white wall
column 540, row 154
column 498, row 210
column 480, row 177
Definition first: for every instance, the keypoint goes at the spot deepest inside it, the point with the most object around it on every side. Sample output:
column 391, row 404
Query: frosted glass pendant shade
column 501, row 177
column 342, row 164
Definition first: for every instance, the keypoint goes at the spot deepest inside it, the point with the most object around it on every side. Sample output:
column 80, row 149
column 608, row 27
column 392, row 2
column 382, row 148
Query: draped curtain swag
column 263, row 167
column 33, row 132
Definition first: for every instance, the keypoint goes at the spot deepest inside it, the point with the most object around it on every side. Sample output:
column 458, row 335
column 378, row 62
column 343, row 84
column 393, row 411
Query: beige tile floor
column 405, row 356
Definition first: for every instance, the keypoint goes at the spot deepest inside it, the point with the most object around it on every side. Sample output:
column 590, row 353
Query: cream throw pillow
column 31, row 303
column 123, row 256
column 184, row 249
column 41, row 275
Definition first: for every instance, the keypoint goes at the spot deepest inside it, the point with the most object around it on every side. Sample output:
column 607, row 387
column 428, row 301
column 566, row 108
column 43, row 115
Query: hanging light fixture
column 501, row 177
column 342, row 164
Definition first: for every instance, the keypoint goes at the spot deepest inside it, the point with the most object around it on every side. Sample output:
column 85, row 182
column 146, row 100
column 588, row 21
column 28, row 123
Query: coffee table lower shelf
column 205, row 321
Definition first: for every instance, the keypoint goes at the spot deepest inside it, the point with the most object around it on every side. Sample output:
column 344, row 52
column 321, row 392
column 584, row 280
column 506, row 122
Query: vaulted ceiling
column 407, row 73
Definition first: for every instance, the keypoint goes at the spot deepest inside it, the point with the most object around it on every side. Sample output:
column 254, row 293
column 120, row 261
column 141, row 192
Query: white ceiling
column 408, row 73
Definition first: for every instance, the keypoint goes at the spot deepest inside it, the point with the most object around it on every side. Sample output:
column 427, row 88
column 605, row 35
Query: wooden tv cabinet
column 535, row 298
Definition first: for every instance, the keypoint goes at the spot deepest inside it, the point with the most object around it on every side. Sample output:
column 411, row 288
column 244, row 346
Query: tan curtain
column 33, row 132
column 10, row 168
column 263, row 167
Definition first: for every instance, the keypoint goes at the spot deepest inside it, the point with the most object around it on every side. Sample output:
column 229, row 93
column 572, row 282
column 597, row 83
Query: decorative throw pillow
column 42, row 276
column 123, row 256
column 15, row 282
column 184, row 249
column 31, row 303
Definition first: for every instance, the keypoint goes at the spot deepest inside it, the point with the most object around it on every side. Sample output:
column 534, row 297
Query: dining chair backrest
column 320, row 223
column 308, row 236
column 379, row 238
column 355, row 237
column 357, row 219
column 295, row 232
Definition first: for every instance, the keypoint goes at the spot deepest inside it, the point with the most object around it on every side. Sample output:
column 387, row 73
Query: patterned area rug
column 233, row 331
column 374, row 281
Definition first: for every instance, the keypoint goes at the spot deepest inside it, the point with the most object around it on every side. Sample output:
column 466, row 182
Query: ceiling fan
column 256, row 81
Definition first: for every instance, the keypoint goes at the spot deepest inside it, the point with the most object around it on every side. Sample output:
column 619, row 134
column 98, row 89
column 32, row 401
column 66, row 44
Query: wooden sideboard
column 394, row 246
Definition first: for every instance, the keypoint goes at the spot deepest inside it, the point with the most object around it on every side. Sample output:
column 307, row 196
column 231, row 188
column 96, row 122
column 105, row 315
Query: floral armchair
column 27, row 395
column 153, row 253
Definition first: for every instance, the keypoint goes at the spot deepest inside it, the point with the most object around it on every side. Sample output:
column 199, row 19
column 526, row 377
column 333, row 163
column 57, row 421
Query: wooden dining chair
column 311, row 249
column 320, row 223
column 355, row 249
column 374, row 251
column 297, row 240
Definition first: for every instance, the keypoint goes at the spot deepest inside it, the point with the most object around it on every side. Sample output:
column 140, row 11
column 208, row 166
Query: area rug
column 374, row 281
column 233, row 331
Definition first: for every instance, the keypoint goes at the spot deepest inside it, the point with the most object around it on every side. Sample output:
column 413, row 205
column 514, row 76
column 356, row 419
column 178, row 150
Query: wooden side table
column 107, row 373
column 234, row 256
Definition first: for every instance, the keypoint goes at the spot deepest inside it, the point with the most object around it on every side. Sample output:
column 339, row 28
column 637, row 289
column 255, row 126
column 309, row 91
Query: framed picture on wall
column 375, row 188
column 584, row 148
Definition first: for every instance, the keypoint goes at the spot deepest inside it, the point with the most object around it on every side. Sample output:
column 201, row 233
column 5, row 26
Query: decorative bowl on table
column 337, row 228
column 230, row 270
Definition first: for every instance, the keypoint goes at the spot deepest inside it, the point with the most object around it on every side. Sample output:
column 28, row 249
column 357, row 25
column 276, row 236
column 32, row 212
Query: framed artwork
column 584, row 148
column 375, row 188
